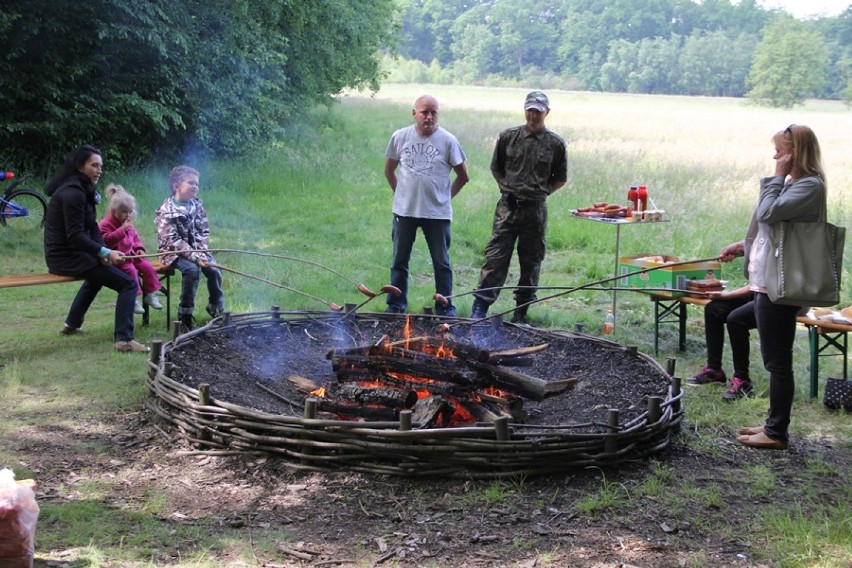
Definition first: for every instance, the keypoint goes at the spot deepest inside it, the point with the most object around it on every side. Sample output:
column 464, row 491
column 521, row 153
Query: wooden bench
column 822, row 335
column 163, row 272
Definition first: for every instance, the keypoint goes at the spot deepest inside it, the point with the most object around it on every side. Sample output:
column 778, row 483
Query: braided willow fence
column 398, row 447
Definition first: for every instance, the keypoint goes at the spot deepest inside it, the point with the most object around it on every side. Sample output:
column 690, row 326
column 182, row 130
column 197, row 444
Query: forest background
column 223, row 78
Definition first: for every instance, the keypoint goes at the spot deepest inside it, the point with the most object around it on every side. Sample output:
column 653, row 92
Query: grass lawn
column 72, row 409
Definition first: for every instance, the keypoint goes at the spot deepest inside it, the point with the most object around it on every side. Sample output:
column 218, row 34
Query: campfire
column 411, row 395
column 445, row 382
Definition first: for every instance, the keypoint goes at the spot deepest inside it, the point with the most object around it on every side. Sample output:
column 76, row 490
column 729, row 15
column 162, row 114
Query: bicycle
column 21, row 208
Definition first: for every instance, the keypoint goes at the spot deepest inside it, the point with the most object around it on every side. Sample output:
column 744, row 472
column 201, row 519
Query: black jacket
column 72, row 239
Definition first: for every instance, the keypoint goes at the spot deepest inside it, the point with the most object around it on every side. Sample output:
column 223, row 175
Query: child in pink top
column 119, row 234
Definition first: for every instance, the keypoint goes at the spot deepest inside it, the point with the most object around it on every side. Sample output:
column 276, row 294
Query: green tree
column 789, row 64
column 139, row 78
column 716, row 64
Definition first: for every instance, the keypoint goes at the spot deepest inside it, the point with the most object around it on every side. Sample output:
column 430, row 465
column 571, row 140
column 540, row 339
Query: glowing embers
column 444, row 382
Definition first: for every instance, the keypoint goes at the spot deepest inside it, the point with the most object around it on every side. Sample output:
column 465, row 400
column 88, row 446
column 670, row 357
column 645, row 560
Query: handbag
column 804, row 264
column 838, row 392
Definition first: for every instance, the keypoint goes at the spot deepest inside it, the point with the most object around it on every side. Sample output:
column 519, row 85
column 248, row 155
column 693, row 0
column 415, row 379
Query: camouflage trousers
column 524, row 223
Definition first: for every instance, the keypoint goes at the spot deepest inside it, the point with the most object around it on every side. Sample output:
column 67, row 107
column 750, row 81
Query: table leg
column 615, row 271
column 813, row 347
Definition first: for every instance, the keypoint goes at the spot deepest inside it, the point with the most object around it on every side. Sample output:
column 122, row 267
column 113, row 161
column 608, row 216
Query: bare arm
column 462, row 178
column 556, row 185
column 730, row 252
column 390, row 172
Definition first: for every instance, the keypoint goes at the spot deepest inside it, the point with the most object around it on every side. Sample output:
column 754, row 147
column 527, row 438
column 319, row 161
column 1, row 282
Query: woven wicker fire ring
column 203, row 417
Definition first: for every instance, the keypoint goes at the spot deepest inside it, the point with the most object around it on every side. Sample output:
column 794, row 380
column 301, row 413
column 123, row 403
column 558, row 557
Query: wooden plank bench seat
column 164, row 272
column 825, row 338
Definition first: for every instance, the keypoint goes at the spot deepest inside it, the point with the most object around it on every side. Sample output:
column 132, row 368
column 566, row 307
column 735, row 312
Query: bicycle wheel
column 23, row 210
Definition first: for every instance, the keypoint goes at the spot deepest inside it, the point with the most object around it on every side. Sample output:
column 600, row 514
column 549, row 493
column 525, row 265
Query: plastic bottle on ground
column 609, row 323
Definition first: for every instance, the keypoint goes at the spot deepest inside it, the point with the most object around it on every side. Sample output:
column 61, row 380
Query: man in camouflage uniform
column 529, row 163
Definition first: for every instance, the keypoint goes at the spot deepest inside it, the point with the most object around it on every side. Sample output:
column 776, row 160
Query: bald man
column 419, row 161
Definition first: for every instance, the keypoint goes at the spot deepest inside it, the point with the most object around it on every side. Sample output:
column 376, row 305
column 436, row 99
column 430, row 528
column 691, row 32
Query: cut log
column 389, row 397
column 430, row 368
column 356, row 410
column 507, row 353
column 512, row 361
column 398, row 381
column 526, row 385
column 432, row 412
column 303, row 384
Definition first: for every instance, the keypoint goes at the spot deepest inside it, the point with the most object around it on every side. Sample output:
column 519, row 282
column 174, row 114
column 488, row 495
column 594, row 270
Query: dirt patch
column 351, row 519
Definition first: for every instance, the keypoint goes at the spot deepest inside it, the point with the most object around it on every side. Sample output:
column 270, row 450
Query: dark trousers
column 190, row 277
column 776, row 325
column 437, row 234
column 114, row 279
column 526, row 225
column 737, row 315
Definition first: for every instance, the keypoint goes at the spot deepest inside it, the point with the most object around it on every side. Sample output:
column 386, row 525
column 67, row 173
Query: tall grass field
column 321, row 196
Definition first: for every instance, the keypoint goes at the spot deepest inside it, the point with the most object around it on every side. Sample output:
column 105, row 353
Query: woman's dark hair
column 75, row 160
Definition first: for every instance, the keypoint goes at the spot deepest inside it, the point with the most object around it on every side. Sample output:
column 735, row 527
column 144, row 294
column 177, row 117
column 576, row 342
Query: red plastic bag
column 18, row 516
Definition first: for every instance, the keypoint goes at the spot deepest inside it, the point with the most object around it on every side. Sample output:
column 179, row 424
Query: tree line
column 679, row 47
column 146, row 79
column 150, row 79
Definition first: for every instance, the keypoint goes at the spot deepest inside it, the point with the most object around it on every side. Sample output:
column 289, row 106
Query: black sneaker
column 479, row 309
column 740, row 388
column 394, row 309
column 187, row 323
column 214, row 311
column 707, row 376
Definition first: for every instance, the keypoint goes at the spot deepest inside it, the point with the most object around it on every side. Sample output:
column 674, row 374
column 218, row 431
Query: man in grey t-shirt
column 419, row 159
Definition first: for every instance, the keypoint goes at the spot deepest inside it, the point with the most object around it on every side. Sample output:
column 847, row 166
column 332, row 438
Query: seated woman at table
column 733, row 310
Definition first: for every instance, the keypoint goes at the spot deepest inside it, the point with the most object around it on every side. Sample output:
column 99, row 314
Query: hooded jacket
column 72, row 239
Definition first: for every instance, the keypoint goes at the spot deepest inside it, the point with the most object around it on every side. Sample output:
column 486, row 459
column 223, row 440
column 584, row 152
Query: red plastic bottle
column 642, row 196
column 632, row 198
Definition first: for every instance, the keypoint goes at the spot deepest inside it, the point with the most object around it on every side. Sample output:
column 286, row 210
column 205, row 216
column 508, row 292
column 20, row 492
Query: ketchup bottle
column 632, row 198
column 642, row 196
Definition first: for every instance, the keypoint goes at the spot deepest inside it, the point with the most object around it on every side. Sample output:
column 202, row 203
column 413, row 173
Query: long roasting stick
column 591, row 284
column 361, row 287
column 334, row 307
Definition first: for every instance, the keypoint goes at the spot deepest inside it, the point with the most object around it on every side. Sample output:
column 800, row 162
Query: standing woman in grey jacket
column 795, row 193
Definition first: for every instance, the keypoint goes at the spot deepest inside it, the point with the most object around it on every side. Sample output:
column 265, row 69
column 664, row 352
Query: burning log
column 531, row 387
column 429, row 344
column 432, row 412
column 303, row 384
column 434, row 368
column 392, row 380
column 508, row 361
column 356, row 410
column 389, row 397
column 484, row 411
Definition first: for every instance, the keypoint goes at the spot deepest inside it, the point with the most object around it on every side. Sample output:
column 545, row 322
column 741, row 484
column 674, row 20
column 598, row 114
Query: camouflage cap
column 538, row 101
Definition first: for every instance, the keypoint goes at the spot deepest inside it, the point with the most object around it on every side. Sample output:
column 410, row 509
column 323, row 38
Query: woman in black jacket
column 73, row 246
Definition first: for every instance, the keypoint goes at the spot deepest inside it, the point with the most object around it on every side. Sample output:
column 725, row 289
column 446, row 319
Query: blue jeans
column 190, row 276
column 114, row 279
column 776, row 325
column 437, row 233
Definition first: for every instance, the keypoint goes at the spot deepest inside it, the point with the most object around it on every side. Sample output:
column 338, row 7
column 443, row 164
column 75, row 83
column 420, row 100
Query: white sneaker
column 152, row 300
column 138, row 309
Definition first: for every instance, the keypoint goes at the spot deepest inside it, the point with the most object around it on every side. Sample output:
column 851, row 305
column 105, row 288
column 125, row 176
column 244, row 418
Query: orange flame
column 320, row 392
